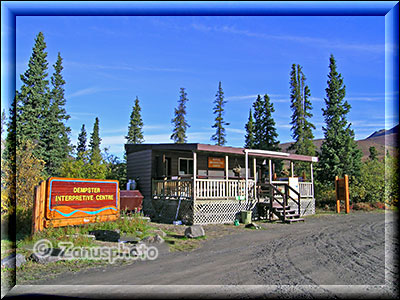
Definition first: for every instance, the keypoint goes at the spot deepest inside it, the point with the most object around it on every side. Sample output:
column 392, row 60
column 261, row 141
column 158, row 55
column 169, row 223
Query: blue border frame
column 77, row 210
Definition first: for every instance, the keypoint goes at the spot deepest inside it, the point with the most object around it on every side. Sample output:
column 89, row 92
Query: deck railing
column 172, row 188
column 222, row 188
column 204, row 189
column 306, row 189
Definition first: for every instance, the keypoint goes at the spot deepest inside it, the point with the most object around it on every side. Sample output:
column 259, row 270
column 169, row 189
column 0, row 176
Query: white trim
column 247, row 174
column 194, row 175
column 179, row 165
column 266, row 152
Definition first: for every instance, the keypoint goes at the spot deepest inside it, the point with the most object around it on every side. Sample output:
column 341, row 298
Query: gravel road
column 324, row 250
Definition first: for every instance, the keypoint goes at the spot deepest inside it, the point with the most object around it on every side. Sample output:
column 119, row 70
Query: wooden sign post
column 342, row 193
column 70, row 201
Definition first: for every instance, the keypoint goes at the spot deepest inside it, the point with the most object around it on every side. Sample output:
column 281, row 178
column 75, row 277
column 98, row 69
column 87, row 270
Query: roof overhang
column 221, row 150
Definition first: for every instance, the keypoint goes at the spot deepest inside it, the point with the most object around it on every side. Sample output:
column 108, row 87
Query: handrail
column 298, row 197
column 282, row 204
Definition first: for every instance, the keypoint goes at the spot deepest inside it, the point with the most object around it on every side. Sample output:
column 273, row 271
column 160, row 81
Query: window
column 185, row 166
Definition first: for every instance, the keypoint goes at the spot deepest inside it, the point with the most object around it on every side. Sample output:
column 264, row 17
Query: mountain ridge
column 382, row 140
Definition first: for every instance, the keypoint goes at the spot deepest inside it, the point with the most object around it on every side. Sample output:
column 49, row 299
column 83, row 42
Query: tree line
column 37, row 144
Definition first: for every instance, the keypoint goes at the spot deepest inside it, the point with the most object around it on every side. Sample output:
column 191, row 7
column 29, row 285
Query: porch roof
column 196, row 147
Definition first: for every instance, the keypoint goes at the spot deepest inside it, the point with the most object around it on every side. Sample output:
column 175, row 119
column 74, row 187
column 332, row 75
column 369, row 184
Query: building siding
column 139, row 167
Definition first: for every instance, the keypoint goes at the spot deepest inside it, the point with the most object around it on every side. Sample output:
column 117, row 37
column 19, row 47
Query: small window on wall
column 185, row 166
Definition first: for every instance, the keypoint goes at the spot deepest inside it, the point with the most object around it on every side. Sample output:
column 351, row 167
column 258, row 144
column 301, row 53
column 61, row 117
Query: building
column 204, row 184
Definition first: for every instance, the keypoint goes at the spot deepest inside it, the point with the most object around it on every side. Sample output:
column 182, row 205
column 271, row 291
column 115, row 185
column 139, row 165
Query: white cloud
column 326, row 43
column 87, row 91
column 235, row 130
column 122, row 67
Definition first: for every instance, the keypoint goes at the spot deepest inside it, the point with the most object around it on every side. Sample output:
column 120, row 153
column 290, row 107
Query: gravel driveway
column 325, row 250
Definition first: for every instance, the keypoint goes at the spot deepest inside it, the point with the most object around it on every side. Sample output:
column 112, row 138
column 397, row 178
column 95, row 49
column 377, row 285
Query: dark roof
column 216, row 149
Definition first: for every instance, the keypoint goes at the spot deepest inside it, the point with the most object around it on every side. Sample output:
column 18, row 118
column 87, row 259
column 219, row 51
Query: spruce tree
column 56, row 132
column 339, row 153
column 373, row 153
column 11, row 138
column 135, row 132
column 179, row 132
column 219, row 136
column 3, row 123
column 301, row 128
column 81, row 146
column 301, row 107
column 249, row 138
column 94, row 143
column 265, row 135
column 33, row 101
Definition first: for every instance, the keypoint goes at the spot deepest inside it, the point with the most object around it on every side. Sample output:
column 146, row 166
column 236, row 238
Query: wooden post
column 35, row 210
column 247, row 174
column 42, row 206
column 337, row 195
column 255, row 175
column 312, row 180
column 347, row 195
column 194, row 175
column 270, row 170
column 291, row 169
column 226, row 176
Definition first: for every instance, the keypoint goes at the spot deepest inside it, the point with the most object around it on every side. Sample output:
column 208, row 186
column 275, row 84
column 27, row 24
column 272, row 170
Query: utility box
column 131, row 200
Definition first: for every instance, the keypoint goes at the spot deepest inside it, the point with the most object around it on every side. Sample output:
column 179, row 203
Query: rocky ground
column 329, row 255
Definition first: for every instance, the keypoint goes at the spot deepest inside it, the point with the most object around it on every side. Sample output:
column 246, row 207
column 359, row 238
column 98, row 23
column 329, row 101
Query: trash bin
column 246, row 216
column 130, row 200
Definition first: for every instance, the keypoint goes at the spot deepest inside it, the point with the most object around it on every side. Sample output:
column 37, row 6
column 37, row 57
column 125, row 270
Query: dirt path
column 325, row 250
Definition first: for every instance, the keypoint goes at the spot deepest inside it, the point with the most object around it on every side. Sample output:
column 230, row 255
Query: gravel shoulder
column 325, row 250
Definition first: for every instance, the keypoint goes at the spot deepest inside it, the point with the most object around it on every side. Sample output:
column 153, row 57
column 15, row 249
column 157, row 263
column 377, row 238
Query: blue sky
column 108, row 61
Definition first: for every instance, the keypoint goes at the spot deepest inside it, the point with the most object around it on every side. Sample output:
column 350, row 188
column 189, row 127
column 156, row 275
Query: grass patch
column 133, row 225
column 31, row 271
column 7, row 247
column 183, row 243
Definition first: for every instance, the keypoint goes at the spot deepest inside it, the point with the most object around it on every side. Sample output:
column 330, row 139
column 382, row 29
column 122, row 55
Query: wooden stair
column 276, row 199
column 290, row 215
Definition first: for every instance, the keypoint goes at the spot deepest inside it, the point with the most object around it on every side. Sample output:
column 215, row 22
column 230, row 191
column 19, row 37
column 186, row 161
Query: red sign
column 72, row 198
column 216, row 162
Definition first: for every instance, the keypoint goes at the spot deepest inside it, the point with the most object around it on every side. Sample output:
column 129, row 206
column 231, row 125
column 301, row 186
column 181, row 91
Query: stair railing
column 287, row 188
column 273, row 198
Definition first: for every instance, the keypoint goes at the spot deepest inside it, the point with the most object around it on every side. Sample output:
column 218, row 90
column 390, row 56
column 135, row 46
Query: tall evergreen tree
column 265, row 135
column 249, row 138
column 219, row 136
column 301, row 127
column 135, row 131
column 339, row 153
column 56, row 132
column 33, row 101
column 94, row 143
column 81, row 146
column 301, row 106
column 11, row 137
column 179, row 132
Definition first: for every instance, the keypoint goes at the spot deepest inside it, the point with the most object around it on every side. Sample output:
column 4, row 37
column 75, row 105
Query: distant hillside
column 381, row 132
column 376, row 139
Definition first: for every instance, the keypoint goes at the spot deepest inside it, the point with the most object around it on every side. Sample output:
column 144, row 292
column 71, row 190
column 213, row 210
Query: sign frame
column 342, row 192
column 45, row 215
column 216, row 162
